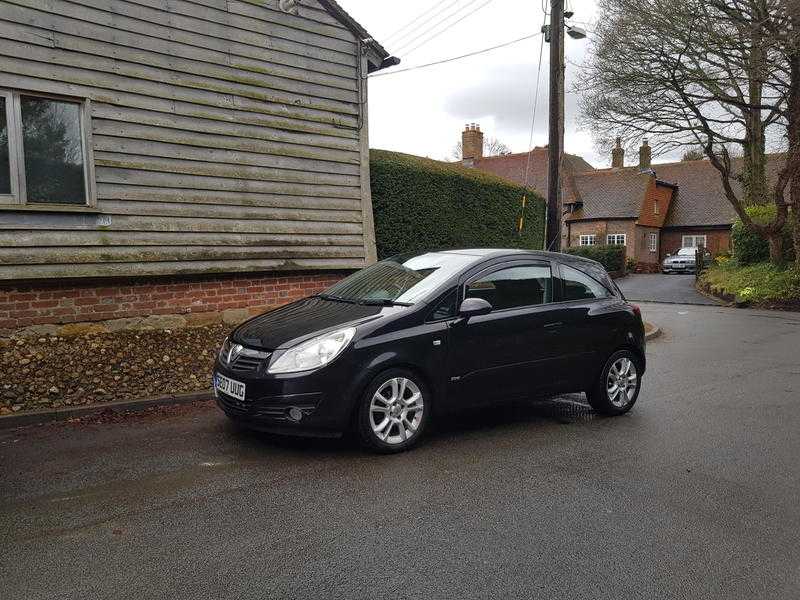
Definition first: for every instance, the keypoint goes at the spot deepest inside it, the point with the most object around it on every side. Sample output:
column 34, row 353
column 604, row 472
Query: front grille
column 240, row 359
column 245, row 364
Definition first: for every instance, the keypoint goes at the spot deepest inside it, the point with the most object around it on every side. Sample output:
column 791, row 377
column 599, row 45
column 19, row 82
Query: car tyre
column 393, row 412
column 619, row 384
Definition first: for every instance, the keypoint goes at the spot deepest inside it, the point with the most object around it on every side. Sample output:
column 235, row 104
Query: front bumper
column 316, row 403
column 677, row 268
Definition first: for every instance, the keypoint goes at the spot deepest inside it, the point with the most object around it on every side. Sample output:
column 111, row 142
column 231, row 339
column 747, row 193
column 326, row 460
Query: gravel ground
column 53, row 372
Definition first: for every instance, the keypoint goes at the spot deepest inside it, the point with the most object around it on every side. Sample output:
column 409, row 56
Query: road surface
column 694, row 494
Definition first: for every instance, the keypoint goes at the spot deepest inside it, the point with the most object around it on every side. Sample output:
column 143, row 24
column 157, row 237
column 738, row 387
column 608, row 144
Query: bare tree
column 693, row 154
column 491, row 147
column 709, row 73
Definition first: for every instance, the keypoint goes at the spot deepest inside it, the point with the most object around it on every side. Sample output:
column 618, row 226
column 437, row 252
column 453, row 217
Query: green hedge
column 611, row 257
column 422, row 204
column 748, row 247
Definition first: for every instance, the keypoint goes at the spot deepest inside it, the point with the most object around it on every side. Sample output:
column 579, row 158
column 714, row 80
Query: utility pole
column 555, row 126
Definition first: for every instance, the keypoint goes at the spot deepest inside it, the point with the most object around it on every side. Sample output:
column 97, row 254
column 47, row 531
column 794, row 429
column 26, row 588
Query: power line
column 454, row 58
column 394, row 38
column 417, row 34
column 450, row 26
column 535, row 106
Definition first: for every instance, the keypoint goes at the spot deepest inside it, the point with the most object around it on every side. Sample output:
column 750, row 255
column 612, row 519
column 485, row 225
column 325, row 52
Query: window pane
column 446, row 307
column 51, row 138
column 5, row 168
column 579, row 286
column 514, row 287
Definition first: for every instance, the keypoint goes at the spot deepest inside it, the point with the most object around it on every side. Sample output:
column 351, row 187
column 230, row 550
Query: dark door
column 508, row 352
column 589, row 317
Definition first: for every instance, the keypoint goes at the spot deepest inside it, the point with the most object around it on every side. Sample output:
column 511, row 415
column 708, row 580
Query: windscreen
column 403, row 278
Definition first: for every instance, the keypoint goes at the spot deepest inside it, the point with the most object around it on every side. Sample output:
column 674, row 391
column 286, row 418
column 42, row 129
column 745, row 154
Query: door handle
column 553, row 325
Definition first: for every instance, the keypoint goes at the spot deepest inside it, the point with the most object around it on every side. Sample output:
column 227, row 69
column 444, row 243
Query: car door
column 506, row 353
column 589, row 323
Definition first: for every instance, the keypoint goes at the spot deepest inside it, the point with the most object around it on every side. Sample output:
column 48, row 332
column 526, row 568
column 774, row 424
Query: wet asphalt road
column 694, row 494
column 657, row 287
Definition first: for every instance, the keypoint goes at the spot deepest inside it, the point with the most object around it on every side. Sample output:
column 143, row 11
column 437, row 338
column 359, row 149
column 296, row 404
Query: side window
column 514, row 287
column 445, row 307
column 53, row 150
column 579, row 286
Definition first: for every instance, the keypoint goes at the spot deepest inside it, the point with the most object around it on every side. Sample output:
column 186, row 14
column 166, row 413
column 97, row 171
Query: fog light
column 295, row 414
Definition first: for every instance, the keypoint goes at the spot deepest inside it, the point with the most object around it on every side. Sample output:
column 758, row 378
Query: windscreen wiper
column 336, row 298
column 382, row 302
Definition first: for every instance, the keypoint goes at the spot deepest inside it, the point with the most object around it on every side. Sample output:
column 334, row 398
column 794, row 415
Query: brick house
column 651, row 209
column 188, row 158
column 654, row 209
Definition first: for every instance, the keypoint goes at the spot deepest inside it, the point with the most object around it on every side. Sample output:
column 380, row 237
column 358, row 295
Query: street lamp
column 576, row 33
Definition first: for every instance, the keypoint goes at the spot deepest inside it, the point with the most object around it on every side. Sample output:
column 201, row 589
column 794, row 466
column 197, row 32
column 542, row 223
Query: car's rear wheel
column 393, row 412
column 619, row 384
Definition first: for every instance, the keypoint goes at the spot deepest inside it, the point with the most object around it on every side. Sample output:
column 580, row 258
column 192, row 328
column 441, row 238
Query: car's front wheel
column 393, row 412
column 618, row 387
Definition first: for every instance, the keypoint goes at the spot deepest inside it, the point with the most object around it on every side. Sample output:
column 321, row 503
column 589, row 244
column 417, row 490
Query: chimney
column 618, row 155
column 644, row 156
column 472, row 142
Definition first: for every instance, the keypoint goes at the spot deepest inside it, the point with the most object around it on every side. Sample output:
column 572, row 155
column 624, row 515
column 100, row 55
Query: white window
column 45, row 155
column 652, row 241
column 588, row 240
column 655, row 207
column 693, row 241
column 615, row 239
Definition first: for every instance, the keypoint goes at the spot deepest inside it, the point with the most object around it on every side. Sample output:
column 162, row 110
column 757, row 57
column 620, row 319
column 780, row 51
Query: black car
column 417, row 335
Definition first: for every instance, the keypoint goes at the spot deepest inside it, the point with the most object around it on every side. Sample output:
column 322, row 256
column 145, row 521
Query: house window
column 43, row 150
column 652, row 242
column 693, row 241
column 588, row 240
column 656, row 210
column 615, row 239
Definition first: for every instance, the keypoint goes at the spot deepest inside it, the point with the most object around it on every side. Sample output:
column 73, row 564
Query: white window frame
column 589, row 239
column 694, row 239
column 18, row 199
column 652, row 241
column 616, row 236
column 656, row 208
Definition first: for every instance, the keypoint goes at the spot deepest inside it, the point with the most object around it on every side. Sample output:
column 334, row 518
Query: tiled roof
column 700, row 198
column 610, row 193
column 514, row 166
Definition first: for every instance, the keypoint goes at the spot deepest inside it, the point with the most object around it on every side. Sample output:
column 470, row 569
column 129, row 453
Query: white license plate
column 228, row 386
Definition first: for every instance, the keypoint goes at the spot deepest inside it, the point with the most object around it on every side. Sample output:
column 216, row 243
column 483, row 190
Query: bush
column 421, row 204
column 761, row 283
column 611, row 257
column 750, row 248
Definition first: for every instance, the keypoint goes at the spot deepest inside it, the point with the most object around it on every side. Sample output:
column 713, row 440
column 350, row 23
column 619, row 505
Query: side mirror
column 472, row 307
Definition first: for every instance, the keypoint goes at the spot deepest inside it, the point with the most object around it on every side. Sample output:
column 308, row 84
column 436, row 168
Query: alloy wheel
column 622, row 382
column 396, row 410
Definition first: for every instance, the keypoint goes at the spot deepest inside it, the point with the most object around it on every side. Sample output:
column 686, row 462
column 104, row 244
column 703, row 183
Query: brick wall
column 644, row 258
column 57, row 302
column 717, row 240
column 603, row 228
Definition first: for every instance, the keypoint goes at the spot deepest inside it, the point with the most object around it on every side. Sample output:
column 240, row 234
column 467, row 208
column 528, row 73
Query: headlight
column 314, row 353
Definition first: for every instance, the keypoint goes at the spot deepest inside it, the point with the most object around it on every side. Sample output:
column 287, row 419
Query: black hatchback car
column 417, row 335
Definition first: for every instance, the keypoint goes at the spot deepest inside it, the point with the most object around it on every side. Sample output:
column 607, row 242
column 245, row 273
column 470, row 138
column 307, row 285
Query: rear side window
column 580, row 286
column 514, row 287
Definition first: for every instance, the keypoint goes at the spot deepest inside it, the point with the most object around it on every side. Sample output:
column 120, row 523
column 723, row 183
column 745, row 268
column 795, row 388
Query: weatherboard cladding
column 225, row 136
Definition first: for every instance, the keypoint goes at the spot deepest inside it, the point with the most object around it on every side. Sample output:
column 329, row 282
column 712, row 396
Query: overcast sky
column 424, row 111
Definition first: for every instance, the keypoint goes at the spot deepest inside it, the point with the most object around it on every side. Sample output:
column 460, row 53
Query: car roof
column 487, row 253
